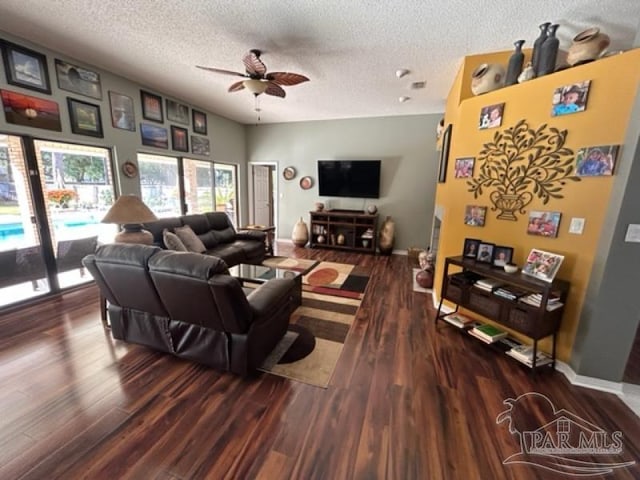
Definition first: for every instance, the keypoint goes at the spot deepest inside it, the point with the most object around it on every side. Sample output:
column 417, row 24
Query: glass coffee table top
column 259, row 273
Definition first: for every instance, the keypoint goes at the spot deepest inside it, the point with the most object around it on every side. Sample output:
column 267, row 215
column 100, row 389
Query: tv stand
column 351, row 230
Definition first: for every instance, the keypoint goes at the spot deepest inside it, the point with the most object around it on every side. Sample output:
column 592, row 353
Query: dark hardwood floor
column 407, row 401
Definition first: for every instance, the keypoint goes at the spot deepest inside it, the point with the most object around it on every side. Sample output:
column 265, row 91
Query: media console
column 351, row 230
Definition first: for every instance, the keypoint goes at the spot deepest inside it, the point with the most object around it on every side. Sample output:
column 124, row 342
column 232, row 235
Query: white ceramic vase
column 487, row 77
column 300, row 234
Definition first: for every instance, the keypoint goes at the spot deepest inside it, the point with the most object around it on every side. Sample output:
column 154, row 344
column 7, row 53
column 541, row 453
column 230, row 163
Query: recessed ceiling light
column 404, row 99
column 401, row 72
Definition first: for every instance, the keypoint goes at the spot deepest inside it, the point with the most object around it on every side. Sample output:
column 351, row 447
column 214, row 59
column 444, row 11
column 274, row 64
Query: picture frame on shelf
column 80, row 80
column 85, row 118
column 154, row 136
column 179, row 139
column 502, row 255
column 470, row 249
column 21, row 109
column 485, row 252
column 177, row 112
column 596, row 161
column 151, row 106
column 25, row 68
column 444, row 154
column 544, row 224
column 542, row 265
column 122, row 113
column 199, row 120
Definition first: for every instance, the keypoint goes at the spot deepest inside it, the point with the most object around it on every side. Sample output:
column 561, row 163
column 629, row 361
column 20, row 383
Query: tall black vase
column 549, row 52
column 515, row 64
column 537, row 45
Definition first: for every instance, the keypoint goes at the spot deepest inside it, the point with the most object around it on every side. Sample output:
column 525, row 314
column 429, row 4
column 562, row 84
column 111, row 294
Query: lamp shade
column 255, row 86
column 129, row 209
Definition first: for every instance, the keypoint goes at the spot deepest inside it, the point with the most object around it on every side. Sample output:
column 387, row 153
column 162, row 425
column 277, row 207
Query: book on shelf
column 458, row 320
column 488, row 333
column 551, row 304
column 473, row 333
column 524, row 354
column 507, row 343
column 510, row 293
column 488, row 284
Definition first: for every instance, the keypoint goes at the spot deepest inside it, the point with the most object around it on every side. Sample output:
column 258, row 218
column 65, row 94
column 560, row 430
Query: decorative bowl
column 510, row 268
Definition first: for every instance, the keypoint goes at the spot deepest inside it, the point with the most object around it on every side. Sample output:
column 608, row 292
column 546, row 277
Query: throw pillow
column 190, row 239
column 172, row 241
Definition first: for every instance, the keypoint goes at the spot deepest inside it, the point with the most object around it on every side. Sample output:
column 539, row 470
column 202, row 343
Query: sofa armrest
column 251, row 235
column 269, row 297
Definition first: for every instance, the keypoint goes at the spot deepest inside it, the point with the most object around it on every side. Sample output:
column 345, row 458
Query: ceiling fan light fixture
column 255, row 86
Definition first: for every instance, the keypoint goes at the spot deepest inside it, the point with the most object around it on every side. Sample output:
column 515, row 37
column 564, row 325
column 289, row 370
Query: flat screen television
column 349, row 178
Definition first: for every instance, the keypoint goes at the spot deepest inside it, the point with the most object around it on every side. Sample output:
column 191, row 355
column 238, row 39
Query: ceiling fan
column 258, row 81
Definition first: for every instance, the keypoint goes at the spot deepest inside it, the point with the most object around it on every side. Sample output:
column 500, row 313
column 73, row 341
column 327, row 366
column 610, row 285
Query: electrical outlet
column 577, row 226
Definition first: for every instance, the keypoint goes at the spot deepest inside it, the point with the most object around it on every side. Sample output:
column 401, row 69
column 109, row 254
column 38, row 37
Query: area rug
column 338, row 279
column 329, row 319
column 296, row 264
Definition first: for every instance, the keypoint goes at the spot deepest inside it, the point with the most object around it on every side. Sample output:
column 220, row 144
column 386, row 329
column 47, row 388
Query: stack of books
column 462, row 279
column 488, row 284
column 510, row 293
column 507, row 343
column 367, row 234
column 524, row 354
column 488, row 333
column 535, row 299
column 458, row 320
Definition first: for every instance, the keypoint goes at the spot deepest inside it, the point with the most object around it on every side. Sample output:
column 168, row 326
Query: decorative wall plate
column 289, row 173
column 130, row 169
column 306, row 183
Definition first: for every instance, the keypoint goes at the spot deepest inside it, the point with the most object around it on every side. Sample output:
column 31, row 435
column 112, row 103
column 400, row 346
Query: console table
column 358, row 230
column 269, row 231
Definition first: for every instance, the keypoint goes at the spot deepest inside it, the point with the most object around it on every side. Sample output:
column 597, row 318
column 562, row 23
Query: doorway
column 263, row 194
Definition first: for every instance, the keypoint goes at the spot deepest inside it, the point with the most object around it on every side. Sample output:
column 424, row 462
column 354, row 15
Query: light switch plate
column 633, row 233
column 577, row 226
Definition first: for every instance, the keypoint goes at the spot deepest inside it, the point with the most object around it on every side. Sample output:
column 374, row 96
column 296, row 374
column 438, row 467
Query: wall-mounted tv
column 349, row 178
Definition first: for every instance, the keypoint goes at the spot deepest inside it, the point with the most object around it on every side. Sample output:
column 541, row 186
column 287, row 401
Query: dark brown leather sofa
column 218, row 235
column 188, row 305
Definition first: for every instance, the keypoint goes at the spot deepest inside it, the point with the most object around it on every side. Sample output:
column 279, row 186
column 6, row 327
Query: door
column 262, row 195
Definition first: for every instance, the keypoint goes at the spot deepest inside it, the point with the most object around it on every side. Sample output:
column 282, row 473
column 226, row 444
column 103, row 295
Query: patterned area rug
column 338, row 279
column 329, row 319
column 296, row 264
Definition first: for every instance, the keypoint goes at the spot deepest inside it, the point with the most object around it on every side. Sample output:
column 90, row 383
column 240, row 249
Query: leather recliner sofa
column 188, row 305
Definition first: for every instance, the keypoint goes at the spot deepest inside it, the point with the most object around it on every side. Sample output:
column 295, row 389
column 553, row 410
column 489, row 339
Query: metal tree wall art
column 521, row 163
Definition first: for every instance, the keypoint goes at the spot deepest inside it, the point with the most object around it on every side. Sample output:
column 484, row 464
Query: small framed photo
column 485, row 252
column 154, row 136
column 177, row 112
column 544, row 224
column 502, row 255
column 179, row 139
column 444, row 154
column 471, row 248
column 570, row 98
column 474, row 215
column 199, row 122
column 200, row 145
column 29, row 111
column 85, row 118
column 542, row 265
column 25, row 68
column 464, row 167
column 122, row 115
column 491, row 116
column 151, row 107
column 596, row 161
column 78, row 80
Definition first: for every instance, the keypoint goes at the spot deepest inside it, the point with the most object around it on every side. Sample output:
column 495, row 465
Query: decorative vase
column 372, row 209
column 527, row 74
column 548, row 52
column 424, row 278
column 487, row 77
column 340, row 239
column 300, row 234
column 537, row 45
column 365, row 243
column 319, row 206
column 515, row 64
column 321, row 239
column 387, row 233
column 587, row 46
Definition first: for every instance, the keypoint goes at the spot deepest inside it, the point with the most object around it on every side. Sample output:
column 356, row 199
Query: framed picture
column 596, row 161
column 471, row 248
column 544, row 224
column 570, row 98
column 25, row 68
column 444, row 154
column 485, row 252
column 151, row 107
column 154, row 136
column 177, row 112
column 502, row 256
column 491, row 116
column 200, row 145
column 179, row 139
column 85, row 118
column 474, row 215
column 78, row 80
column 542, row 265
column 122, row 115
column 199, row 122
column 464, row 167
column 29, row 111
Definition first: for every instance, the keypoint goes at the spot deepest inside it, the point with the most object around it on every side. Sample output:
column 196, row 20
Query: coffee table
column 260, row 274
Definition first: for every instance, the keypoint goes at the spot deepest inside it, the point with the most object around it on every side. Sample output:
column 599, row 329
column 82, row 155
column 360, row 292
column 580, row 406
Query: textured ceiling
column 349, row 49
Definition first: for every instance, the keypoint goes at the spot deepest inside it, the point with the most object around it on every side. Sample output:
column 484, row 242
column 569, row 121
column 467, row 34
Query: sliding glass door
column 226, row 190
column 198, row 186
column 159, row 184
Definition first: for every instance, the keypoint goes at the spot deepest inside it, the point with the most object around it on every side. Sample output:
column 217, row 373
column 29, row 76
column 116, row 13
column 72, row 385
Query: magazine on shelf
column 488, row 332
column 541, row 358
column 488, row 284
column 458, row 320
column 473, row 333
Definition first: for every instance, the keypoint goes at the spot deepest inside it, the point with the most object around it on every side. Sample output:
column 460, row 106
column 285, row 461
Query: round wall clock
column 289, row 173
column 130, row 169
column 306, row 183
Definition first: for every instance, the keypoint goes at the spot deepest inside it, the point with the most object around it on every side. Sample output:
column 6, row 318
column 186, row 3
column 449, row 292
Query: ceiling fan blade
column 275, row 90
column 286, row 78
column 220, row 70
column 236, row 87
column 255, row 67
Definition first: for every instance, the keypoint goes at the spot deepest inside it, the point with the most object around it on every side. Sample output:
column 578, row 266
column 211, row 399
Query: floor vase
column 387, row 236
column 300, row 234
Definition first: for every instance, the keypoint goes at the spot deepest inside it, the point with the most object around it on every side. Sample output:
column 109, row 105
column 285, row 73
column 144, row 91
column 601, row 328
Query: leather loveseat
column 188, row 305
column 216, row 232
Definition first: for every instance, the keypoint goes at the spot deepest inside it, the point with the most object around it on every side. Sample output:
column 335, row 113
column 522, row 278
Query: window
column 159, row 184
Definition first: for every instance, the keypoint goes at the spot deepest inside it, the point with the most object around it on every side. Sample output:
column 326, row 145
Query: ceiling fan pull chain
column 257, row 106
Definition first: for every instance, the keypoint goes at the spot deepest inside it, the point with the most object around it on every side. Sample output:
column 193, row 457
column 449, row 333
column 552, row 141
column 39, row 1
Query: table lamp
column 129, row 211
